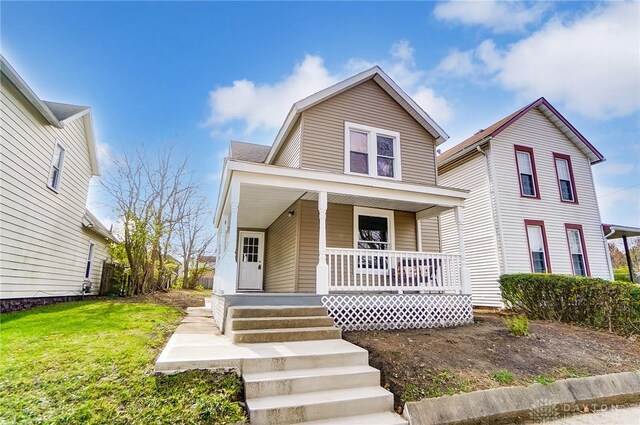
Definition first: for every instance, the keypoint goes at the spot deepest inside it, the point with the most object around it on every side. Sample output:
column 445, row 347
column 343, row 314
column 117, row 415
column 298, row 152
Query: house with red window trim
column 532, row 205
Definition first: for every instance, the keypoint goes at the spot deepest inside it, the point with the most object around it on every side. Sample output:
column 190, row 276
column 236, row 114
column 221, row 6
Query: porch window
column 56, row 167
column 538, row 251
column 527, row 176
column 373, row 230
column 577, row 250
column 564, row 173
column 372, row 151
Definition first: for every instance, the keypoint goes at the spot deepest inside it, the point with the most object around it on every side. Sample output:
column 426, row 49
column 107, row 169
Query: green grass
column 92, row 362
column 503, row 376
column 442, row 382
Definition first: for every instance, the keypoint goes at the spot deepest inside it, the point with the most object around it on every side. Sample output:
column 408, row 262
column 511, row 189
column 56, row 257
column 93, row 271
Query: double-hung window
column 566, row 183
column 56, row 167
column 373, row 230
column 538, row 251
column 372, row 151
column 87, row 270
column 577, row 250
column 527, row 177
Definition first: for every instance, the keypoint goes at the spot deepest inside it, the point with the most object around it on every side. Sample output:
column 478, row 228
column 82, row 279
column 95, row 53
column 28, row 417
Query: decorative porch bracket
column 465, row 277
column 322, row 269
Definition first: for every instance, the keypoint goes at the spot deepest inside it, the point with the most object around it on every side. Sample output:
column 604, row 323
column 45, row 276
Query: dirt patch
column 421, row 363
column 179, row 298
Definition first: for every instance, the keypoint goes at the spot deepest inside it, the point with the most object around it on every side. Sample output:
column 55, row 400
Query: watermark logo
column 544, row 410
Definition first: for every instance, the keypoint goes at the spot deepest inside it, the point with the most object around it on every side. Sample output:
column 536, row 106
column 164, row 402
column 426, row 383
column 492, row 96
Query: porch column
column 419, row 234
column 231, row 283
column 322, row 269
column 465, row 284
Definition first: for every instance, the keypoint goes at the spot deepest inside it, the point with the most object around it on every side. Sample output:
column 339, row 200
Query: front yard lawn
column 91, row 362
column 423, row 363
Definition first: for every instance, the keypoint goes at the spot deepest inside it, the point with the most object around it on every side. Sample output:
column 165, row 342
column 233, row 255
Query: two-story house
column 532, row 205
column 51, row 247
column 342, row 210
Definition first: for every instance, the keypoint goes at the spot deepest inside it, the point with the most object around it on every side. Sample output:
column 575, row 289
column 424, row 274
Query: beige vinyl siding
column 339, row 235
column 480, row 240
column 430, row 234
column 405, row 229
column 281, row 252
column 366, row 104
column 44, row 248
column 289, row 155
column 537, row 132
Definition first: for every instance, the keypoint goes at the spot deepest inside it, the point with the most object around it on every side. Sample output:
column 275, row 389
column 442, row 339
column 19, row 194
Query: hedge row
column 602, row 304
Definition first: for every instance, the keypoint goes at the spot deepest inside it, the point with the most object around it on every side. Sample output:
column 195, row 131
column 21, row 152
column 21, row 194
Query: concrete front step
column 280, row 322
column 286, row 335
column 317, row 405
column 268, row 384
column 273, row 311
column 386, row 418
column 306, row 355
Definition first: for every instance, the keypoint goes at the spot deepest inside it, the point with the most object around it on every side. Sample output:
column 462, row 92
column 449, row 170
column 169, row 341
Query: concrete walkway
column 622, row 416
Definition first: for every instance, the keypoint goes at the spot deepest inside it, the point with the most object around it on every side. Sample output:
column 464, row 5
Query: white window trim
column 57, row 143
column 372, row 148
column 374, row 212
column 90, row 256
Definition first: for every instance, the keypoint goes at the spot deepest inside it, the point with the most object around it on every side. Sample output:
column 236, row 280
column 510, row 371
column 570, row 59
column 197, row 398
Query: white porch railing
column 364, row 270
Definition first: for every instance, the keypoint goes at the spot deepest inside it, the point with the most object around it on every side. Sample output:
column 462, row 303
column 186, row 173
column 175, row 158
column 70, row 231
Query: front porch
column 368, row 254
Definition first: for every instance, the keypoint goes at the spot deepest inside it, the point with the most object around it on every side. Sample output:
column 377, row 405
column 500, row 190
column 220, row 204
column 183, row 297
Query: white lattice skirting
column 217, row 307
column 398, row 311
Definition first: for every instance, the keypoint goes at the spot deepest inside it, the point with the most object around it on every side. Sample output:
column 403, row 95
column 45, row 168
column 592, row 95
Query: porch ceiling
column 261, row 205
column 363, row 201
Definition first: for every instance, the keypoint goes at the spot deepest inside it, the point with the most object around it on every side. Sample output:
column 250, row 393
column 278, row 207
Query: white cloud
column 499, row 16
column 590, row 64
column 262, row 108
column 436, row 106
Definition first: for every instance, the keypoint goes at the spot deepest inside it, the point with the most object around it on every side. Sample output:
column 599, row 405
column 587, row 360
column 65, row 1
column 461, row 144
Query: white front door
column 250, row 259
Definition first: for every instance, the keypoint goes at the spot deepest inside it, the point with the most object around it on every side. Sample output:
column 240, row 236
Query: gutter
column 26, row 91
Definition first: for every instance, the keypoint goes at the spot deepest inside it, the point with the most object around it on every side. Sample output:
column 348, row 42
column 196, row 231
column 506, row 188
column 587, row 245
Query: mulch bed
column 433, row 362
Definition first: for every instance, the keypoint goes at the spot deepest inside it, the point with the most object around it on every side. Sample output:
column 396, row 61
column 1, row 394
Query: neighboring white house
column 51, row 246
column 342, row 210
column 532, row 205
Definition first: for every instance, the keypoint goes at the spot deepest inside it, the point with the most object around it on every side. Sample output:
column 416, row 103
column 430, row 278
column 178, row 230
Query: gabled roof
column 92, row 223
column 387, row 84
column 252, row 152
column 493, row 130
column 56, row 114
column 64, row 112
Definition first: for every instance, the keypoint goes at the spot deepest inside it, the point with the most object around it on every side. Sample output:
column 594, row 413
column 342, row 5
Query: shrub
column 502, row 376
column 593, row 302
column 199, row 288
column 621, row 274
column 517, row 325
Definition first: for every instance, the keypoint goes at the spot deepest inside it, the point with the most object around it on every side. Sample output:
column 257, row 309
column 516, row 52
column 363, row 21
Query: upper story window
column 56, row 167
column 566, row 182
column 526, row 165
column 577, row 250
column 372, row 151
column 538, row 250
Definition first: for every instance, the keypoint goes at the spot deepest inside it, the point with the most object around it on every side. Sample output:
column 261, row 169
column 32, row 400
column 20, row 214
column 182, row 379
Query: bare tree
column 148, row 193
column 194, row 234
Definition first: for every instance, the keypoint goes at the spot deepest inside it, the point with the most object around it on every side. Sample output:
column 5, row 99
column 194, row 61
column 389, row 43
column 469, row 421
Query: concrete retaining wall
column 536, row 402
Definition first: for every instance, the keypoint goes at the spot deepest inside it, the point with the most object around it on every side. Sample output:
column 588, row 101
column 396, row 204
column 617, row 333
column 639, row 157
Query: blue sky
column 200, row 74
